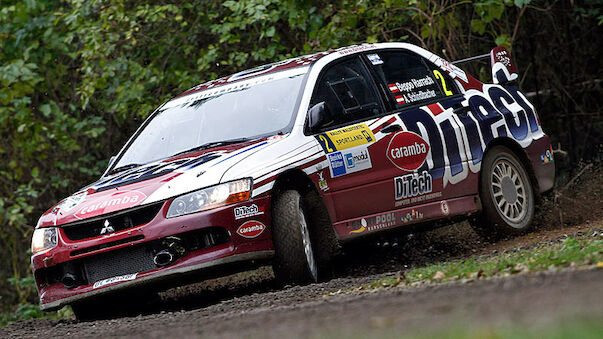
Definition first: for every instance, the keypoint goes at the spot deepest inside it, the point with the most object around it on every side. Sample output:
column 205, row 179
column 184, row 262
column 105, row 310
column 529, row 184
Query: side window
column 410, row 79
column 347, row 92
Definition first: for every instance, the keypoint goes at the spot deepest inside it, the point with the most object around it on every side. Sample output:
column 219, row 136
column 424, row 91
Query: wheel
column 295, row 257
column 507, row 195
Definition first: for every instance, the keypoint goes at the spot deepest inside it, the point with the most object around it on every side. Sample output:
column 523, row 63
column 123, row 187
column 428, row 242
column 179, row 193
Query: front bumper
column 234, row 249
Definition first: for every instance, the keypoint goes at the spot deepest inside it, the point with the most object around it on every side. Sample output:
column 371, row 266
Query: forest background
column 77, row 77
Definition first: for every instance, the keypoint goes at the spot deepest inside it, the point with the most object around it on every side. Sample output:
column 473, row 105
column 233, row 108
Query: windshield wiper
column 213, row 144
column 123, row 168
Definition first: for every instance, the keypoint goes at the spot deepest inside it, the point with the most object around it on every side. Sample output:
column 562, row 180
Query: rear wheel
column 296, row 260
column 506, row 194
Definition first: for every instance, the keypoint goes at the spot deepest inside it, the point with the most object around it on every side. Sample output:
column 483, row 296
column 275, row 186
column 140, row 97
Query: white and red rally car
column 282, row 162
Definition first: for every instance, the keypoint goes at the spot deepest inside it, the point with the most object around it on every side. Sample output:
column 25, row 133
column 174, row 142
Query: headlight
column 211, row 197
column 43, row 239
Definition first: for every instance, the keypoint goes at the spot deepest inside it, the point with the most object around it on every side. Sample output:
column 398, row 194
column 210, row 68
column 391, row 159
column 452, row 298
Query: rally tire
column 295, row 257
column 506, row 194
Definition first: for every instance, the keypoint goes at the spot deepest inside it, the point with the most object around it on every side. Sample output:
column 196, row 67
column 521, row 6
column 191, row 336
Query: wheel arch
column 520, row 152
column 322, row 230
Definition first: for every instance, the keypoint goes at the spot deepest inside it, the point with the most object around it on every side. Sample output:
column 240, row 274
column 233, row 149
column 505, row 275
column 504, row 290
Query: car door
column 427, row 156
column 355, row 180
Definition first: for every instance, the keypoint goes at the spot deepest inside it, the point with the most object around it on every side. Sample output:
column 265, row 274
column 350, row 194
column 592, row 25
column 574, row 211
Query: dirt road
column 249, row 305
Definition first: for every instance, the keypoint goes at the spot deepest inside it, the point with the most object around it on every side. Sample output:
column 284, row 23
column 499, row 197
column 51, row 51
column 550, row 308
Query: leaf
column 478, row 26
column 270, row 32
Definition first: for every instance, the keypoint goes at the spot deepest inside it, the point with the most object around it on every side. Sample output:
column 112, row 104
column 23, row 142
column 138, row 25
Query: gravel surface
column 248, row 304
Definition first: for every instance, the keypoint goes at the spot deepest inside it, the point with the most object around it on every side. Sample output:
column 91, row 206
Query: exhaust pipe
column 163, row 258
column 69, row 280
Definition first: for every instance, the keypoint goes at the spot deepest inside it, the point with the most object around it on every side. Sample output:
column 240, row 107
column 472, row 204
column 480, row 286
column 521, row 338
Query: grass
column 571, row 252
column 584, row 328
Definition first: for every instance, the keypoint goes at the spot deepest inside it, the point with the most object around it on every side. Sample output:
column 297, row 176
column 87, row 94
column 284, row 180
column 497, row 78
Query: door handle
column 391, row 129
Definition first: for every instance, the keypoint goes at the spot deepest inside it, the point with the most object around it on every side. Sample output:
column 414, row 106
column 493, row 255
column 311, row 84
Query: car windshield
column 245, row 110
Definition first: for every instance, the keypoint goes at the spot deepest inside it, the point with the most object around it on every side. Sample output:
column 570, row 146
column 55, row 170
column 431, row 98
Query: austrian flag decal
column 251, row 229
column 407, row 151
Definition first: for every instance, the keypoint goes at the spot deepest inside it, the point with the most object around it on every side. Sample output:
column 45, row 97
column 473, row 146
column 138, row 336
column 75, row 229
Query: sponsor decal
column 247, row 211
column 451, row 69
column 374, row 223
column 344, row 138
column 411, row 185
column 355, row 160
column 496, row 112
column 251, row 229
column 500, row 54
column 444, row 208
column 375, row 59
column 411, row 216
column 322, row 183
column 71, row 202
column 547, row 157
column 407, row 151
column 363, row 225
column 414, row 188
column 120, row 278
column 354, row 48
column 116, row 202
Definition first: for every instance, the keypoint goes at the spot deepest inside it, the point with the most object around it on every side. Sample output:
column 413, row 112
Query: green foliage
column 78, row 76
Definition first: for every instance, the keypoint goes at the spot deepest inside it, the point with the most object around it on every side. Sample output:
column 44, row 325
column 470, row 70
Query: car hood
column 150, row 183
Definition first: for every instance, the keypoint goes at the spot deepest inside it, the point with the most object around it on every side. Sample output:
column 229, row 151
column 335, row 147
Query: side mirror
column 317, row 115
column 503, row 68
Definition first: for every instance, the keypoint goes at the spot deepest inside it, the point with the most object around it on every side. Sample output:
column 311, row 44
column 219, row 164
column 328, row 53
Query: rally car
column 282, row 163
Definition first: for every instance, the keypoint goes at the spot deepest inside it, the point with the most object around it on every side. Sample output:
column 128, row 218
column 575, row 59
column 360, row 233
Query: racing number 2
column 439, row 76
column 325, row 143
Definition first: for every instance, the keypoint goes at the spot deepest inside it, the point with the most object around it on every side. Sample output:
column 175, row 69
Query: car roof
column 302, row 61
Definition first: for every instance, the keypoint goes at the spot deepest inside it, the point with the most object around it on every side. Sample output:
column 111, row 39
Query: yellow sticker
column 346, row 137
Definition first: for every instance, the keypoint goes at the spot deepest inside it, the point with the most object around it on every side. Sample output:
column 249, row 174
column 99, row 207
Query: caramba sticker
column 351, row 161
column 118, row 201
column 344, row 138
column 407, row 151
column 251, row 229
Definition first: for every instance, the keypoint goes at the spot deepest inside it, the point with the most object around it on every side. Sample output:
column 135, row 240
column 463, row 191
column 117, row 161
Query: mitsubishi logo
column 107, row 228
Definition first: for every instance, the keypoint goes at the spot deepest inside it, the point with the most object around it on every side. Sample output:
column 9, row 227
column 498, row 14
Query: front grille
column 131, row 259
column 118, row 222
column 119, row 262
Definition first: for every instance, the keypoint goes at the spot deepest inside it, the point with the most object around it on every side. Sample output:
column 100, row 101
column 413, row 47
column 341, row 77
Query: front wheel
column 295, row 258
column 506, row 194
